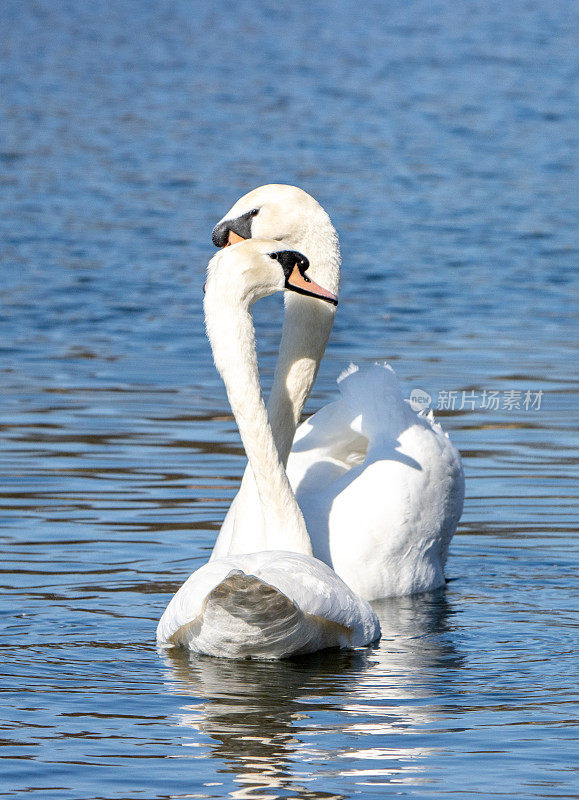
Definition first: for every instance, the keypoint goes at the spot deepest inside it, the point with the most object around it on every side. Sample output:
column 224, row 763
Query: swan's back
column 369, row 463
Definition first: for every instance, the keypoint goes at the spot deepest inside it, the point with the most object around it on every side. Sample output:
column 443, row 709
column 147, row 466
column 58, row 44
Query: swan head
column 285, row 214
column 255, row 268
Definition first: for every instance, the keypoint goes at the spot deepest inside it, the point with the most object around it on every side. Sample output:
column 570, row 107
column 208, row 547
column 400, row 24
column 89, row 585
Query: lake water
column 441, row 138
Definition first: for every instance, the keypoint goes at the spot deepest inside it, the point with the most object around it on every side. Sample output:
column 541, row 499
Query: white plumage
column 276, row 600
column 369, row 464
column 381, row 488
column 266, row 605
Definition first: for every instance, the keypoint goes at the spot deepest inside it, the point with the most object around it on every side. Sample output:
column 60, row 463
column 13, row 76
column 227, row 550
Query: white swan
column 381, row 488
column 281, row 601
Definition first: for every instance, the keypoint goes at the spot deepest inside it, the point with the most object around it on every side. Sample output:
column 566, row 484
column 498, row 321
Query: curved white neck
column 231, row 333
column 306, row 328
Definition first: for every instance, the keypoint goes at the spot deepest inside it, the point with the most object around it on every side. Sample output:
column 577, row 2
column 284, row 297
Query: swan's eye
column 273, row 255
column 302, row 264
column 254, row 212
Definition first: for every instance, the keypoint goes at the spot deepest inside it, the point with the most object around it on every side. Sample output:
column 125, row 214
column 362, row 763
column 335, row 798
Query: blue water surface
column 441, row 137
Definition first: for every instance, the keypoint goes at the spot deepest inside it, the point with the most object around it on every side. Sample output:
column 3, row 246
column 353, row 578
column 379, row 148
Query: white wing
column 381, row 488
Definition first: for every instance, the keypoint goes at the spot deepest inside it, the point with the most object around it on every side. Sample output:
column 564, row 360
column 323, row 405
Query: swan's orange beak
column 303, row 285
column 233, row 238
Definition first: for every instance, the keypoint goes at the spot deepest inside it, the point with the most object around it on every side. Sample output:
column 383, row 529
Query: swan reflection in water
column 357, row 714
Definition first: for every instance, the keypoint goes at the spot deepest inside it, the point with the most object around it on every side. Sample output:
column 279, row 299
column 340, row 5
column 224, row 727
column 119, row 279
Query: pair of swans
column 277, row 601
column 370, row 488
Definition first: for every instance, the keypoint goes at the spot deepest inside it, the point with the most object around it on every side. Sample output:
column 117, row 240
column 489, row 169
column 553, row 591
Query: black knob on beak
column 220, row 234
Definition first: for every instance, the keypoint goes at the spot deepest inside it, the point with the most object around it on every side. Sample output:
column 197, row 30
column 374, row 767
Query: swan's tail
column 245, row 617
